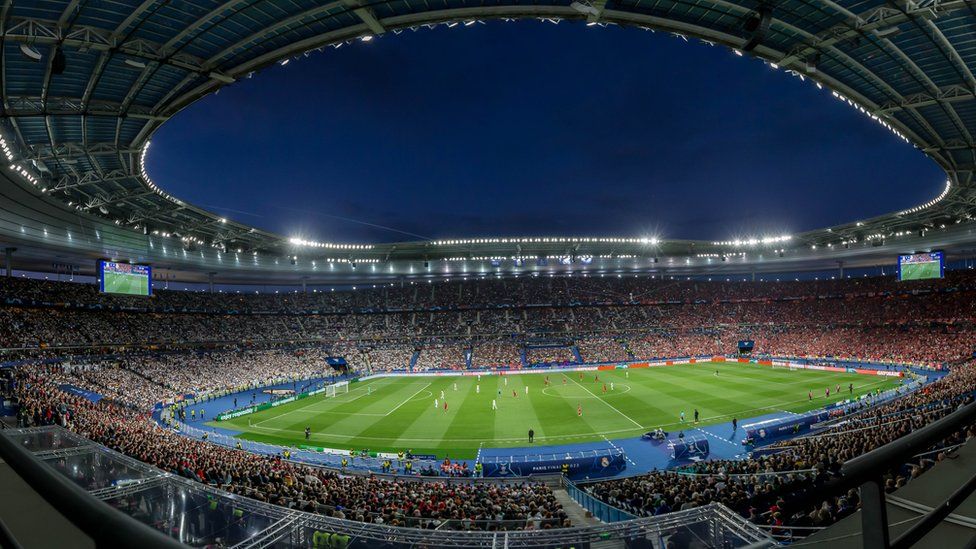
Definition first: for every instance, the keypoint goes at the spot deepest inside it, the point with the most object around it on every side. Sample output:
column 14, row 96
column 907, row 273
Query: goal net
column 337, row 389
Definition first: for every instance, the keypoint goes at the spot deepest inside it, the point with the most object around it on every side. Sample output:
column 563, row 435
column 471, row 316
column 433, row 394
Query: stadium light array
column 764, row 241
column 22, row 171
column 148, row 180
column 653, row 241
column 930, row 203
column 17, row 168
column 328, row 245
column 6, row 149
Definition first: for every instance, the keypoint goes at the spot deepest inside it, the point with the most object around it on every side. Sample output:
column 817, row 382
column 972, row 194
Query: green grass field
column 397, row 413
column 121, row 283
column 920, row 271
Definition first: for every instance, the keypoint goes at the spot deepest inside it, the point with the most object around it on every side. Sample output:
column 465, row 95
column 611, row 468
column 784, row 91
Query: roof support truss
column 88, row 38
column 47, row 152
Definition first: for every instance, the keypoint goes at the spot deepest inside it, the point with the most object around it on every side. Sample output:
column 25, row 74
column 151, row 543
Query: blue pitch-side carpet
column 245, row 398
column 646, row 455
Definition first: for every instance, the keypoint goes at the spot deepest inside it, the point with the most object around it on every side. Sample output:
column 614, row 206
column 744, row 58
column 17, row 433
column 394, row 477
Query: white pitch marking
column 612, row 407
column 316, row 412
column 408, row 400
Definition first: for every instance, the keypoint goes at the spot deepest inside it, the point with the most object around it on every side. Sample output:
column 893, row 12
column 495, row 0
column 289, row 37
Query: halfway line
column 605, row 402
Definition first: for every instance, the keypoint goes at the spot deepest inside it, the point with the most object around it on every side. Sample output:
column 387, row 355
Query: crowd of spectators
column 496, row 355
column 140, row 381
column 441, row 357
column 205, row 372
column 389, row 359
column 484, row 292
column 824, row 324
column 602, row 349
column 550, row 355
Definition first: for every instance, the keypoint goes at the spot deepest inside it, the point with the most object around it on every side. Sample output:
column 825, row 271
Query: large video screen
column 124, row 278
column 921, row 266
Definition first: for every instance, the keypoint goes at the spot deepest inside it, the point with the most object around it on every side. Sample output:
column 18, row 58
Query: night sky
column 529, row 128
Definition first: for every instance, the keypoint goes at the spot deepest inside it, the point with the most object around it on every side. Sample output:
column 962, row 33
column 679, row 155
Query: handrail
column 600, row 509
column 7, row 538
column 108, row 527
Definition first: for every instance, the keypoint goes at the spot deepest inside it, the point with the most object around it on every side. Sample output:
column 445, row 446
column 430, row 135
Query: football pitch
column 121, row 283
column 921, row 271
column 398, row 413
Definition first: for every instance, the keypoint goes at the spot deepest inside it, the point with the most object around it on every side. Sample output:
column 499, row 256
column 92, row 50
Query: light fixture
column 585, row 9
column 30, row 52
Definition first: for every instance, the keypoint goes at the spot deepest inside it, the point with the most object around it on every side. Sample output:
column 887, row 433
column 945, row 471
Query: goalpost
column 337, row 389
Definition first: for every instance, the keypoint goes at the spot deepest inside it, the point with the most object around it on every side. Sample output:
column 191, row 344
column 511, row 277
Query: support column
column 8, row 259
column 874, row 516
column 753, row 276
column 210, row 280
column 840, row 269
column 304, row 284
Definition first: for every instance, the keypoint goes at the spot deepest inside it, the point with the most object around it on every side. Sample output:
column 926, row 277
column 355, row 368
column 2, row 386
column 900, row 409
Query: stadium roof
column 86, row 83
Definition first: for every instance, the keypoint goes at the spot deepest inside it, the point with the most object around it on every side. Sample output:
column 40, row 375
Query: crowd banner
column 588, row 464
column 78, row 391
column 770, row 430
column 689, row 448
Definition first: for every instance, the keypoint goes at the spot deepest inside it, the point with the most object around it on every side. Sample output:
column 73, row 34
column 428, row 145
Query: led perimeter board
column 124, row 278
column 921, row 266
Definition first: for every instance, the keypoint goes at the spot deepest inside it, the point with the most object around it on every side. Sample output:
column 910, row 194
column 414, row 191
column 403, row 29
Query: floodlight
column 585, row 9
column 30, row 52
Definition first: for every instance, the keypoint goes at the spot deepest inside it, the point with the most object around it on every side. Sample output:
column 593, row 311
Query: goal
column 337, row 389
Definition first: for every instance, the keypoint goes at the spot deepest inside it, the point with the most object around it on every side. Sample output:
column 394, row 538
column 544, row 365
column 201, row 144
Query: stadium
column 175, row 376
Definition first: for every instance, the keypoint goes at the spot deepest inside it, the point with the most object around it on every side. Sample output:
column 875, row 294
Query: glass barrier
column 197, row 514
column 602, row 511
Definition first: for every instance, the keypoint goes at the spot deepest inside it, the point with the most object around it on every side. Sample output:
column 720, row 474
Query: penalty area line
column 309, row 405
column 407, row 400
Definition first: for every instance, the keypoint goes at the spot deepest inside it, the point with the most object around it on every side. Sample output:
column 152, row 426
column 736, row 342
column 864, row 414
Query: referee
column 531, row 436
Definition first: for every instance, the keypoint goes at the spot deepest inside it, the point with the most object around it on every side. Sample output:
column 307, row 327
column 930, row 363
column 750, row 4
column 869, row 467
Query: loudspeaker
column 58, row 62
column 757, row 25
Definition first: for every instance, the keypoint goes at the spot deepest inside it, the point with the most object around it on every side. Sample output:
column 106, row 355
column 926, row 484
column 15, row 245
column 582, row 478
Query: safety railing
column 602, row 511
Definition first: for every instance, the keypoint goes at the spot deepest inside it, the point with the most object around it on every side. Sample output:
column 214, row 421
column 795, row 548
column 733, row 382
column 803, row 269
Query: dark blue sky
column 534, row 129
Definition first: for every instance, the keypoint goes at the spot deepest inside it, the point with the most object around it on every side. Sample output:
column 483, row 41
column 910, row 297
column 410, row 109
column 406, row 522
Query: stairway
column 575, row 511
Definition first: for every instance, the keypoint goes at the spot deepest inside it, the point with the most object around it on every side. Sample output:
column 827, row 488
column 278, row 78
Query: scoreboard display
column 124, row 278
column 921, row 266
